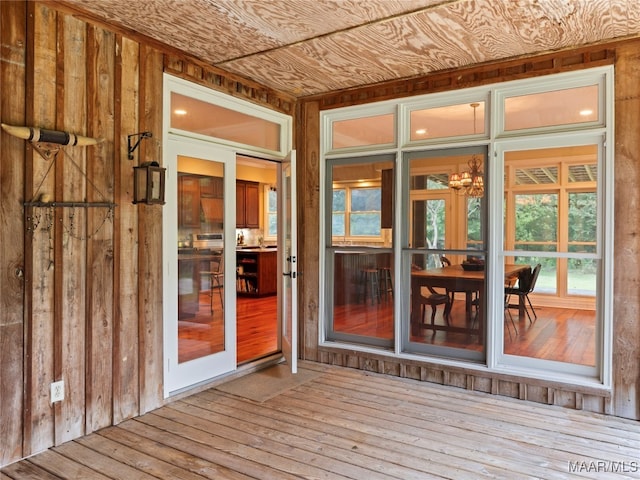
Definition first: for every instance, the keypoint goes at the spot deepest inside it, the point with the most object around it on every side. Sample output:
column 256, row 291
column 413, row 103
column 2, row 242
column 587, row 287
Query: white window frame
column 496, row 140
column 183, row 87
column 265, row 234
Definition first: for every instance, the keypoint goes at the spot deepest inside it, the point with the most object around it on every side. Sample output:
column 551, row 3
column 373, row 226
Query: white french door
column 287, row 241
column 210, row 348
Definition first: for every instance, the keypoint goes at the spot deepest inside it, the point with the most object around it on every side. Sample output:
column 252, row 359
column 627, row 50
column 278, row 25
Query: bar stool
column 370, row 284
column 386, row 284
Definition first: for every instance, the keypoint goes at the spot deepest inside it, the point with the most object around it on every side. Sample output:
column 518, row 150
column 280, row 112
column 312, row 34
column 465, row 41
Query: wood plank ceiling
column 309, row 47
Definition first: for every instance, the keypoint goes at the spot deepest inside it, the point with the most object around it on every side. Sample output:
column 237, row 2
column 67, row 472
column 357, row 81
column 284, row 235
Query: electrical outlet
column 57, row 391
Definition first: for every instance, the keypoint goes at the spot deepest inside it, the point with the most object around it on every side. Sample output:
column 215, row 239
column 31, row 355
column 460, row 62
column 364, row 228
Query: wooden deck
column 350, row 424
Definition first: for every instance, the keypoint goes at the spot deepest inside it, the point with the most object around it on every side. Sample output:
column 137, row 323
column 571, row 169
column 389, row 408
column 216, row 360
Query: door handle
column 289, row 274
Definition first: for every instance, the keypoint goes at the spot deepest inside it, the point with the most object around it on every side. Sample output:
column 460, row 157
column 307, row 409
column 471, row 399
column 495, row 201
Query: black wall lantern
column 148, row 177
column 148, row 183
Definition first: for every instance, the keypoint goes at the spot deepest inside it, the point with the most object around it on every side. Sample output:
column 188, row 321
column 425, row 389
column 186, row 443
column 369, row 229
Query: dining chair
column 216, row 278
column 527, row 280
column 429, row 296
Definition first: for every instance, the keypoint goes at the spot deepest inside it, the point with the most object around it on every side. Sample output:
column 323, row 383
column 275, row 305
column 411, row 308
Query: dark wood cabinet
column 189, row 201
column 212, row 187
column 386, row 190
column 257, row 272
column 247, row 204
column 212, row 200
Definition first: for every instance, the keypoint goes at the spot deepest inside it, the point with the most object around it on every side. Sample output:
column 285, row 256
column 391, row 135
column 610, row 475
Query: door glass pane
column 200, row 260
column 360, row 288
column 551, row 209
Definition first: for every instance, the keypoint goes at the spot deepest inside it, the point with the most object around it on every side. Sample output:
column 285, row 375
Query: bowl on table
column 472, row 266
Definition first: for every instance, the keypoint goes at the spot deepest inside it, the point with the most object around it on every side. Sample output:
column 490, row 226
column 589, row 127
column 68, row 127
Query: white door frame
column 288, row 258
column 178, row 376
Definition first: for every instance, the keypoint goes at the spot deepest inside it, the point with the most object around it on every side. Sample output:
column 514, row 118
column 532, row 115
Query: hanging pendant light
column 469, row 182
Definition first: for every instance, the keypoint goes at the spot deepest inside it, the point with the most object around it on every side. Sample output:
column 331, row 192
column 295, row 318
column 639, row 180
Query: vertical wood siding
column 81, row 294
column 88, row 309
column 12, row 285
column 626, row 308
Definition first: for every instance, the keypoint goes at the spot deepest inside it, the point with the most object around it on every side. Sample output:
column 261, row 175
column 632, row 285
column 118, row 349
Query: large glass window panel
column 551, row 109
column 445, row 258
column 364, row 131
column 536, row 220
column 359, row 257
column 448, row 121
column 551, row 221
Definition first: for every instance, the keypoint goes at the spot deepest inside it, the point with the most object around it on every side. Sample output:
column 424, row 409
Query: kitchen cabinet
column 247, row 204
column 188, row 201
column 386, row 214
column 212, row 199
column 257, row 272
column 212, row 187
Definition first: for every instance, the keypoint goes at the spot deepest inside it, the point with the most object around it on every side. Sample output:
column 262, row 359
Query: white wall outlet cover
column 57, row 391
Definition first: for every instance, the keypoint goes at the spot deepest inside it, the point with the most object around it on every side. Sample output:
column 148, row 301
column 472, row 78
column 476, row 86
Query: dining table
column 456, row 279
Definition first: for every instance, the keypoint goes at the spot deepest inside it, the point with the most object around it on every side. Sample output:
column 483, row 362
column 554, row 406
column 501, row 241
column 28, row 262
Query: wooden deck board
column 350, row 424
column 490, row 416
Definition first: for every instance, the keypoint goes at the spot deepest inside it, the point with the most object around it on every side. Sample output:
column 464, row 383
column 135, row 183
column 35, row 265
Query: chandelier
column 469, row 182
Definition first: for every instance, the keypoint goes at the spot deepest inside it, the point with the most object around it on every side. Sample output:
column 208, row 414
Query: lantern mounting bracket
column 132, row 148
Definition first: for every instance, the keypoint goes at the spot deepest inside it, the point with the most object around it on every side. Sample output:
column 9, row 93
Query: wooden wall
column 624, row 401
column 86, row 309
column 81, row 294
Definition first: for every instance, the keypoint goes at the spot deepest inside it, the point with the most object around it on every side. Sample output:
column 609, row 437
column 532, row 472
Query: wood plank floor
column 349, row 424
column 558, row 334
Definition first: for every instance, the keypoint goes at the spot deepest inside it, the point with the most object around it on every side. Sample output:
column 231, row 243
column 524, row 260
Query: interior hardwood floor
column 257, row 329
column 349, row 424
column 560, row 334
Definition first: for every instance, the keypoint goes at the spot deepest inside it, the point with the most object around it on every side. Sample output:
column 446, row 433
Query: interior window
column 360, row 288
column 551, row 222
column 445, row 230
